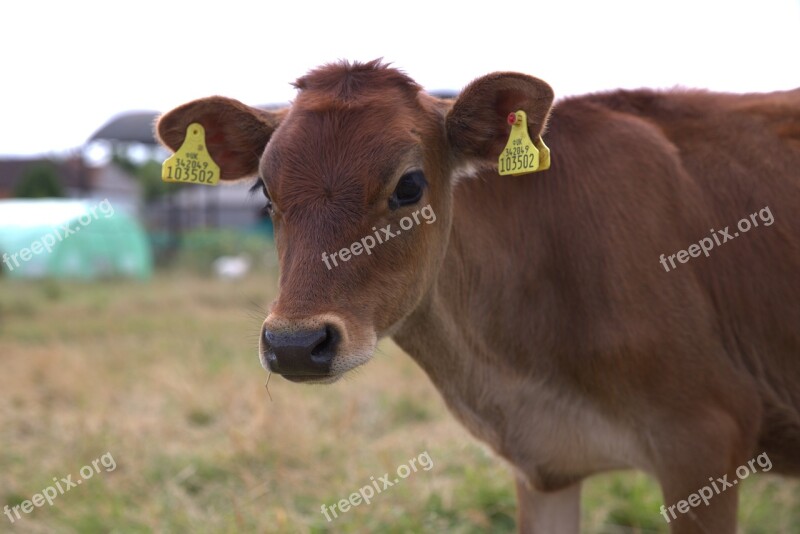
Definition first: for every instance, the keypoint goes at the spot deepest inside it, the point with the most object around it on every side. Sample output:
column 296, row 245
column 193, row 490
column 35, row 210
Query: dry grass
column 164, row 376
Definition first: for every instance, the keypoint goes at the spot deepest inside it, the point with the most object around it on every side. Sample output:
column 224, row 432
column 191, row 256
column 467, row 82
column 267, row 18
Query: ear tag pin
column 191, row 163
column 521, row 155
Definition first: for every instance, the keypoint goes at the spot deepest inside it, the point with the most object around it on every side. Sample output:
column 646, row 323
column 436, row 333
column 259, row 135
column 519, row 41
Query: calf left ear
column 236, row 134
column 477, row 124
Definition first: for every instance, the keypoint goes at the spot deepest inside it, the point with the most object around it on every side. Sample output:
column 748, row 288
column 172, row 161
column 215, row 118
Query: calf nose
column 298, row 353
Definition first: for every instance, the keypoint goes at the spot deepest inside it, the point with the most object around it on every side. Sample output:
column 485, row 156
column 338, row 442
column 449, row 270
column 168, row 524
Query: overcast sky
column 68, row 67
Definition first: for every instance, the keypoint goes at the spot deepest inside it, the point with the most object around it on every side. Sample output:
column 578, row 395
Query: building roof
column 129, row 127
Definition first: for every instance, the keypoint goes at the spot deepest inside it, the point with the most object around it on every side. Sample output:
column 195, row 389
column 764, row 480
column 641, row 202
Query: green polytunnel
column 86, row 239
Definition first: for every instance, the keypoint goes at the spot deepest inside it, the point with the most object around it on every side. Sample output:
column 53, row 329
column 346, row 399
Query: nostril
column 325, row 350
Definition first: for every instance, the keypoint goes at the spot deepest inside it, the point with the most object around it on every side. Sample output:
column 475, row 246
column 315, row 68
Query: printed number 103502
column 190, row 170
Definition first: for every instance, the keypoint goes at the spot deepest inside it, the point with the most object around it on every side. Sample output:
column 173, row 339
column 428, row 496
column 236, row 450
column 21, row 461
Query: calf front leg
column 685, row 510
column 553, row 512
column 697, row 473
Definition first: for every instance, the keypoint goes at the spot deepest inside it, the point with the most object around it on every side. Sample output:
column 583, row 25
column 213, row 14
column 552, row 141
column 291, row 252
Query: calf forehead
column 338, row 153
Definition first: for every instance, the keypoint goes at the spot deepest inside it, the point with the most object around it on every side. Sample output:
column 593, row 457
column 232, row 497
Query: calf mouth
column 306, row 379
column 341, row 365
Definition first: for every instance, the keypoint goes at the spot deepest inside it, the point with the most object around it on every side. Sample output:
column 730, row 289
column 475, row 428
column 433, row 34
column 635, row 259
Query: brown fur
column 537, row 304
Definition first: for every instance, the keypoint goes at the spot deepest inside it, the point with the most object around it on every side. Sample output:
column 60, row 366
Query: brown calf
column 548, row 309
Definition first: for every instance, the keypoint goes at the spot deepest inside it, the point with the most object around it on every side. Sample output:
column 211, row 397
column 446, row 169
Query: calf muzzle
column 300, row 355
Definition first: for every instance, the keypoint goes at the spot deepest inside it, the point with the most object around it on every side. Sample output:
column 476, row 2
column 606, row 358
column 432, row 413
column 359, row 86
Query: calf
column 573, row 319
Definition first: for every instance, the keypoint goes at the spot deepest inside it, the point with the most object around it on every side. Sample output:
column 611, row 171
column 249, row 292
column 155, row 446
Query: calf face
column 358, row 176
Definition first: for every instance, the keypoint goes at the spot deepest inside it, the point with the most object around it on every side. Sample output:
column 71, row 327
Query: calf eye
column 408, row 190
column 259, row 184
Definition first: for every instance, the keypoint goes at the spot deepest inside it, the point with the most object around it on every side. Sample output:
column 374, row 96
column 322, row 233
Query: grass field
column 164, row 378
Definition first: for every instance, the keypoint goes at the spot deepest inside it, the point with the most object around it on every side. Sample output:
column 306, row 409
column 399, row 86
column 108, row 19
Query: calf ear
column 477, row 124
column 236, row 134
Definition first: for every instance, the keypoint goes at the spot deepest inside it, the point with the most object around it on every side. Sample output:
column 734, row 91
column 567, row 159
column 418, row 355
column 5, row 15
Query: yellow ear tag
column 521, row 155
column 191, row 163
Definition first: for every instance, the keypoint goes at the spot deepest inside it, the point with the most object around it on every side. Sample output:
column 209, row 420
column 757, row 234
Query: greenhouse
column 87, row 239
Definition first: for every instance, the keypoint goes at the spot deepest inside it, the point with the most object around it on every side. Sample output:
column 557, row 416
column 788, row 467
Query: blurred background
column 136, row 333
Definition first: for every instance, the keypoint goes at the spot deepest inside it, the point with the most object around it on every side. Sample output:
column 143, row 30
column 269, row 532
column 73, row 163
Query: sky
column 70, row 66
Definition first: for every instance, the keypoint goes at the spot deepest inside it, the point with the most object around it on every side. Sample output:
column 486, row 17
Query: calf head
column 358, row 175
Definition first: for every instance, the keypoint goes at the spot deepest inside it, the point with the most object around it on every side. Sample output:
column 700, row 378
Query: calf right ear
column 477, row 124
column 236, row 134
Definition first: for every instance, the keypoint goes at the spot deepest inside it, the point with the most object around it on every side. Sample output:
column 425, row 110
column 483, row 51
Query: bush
column 39, row 181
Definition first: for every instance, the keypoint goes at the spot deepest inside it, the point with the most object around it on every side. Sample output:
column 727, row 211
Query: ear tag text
column 521, row 155
column 191, row 163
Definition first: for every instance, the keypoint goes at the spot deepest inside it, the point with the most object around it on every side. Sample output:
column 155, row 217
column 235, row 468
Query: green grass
column 165, row 377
